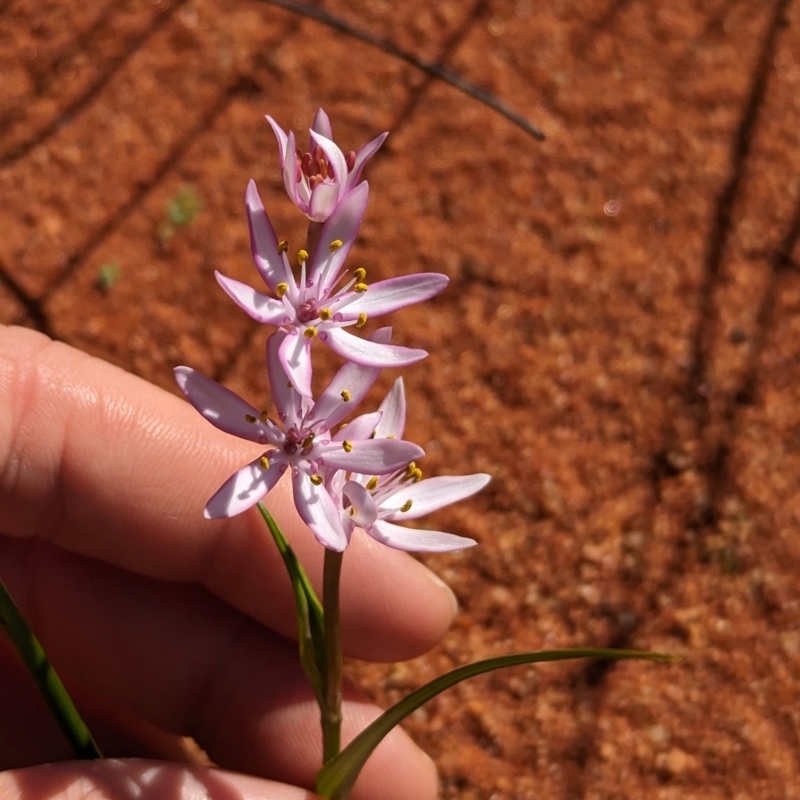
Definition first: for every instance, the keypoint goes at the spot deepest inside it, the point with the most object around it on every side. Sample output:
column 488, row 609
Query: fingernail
column 450, row 593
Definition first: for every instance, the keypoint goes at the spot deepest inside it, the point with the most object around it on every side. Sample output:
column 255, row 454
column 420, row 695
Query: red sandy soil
column 619, row 346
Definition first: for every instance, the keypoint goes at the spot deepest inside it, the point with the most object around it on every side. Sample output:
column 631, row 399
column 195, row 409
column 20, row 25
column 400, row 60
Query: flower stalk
column 332, row 709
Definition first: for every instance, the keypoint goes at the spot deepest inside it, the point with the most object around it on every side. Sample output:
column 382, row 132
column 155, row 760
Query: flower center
column 307, row 311
column 301, row 441
column 314, row 167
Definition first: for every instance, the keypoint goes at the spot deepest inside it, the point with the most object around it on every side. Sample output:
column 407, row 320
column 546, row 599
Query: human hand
column 164, row 624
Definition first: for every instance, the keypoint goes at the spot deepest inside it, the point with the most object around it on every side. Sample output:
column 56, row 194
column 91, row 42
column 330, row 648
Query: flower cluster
column 358, row 474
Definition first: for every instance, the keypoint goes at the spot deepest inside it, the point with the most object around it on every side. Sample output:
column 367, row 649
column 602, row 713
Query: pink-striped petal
column 371, row 354
column 283, row 396
column 222, row 408
column 263, row 241
column 297, row 190
column 322, row 124
column 362, row 510
column 432, row 494
column 343, row 225
column 362, row 427
column 261, row 307
column 319, row 512
column 371, row 457
column 393, row 410
column 280, row 135
column 417, row 541
column 335, row 159
column 363, row 155
column 322, row 202
column 242, row 490
column 352, row 381
column 395, row 293
column 295, row 357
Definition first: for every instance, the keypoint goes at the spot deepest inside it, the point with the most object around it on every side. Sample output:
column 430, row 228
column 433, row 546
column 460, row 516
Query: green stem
column 332, row 709
column 46, row 679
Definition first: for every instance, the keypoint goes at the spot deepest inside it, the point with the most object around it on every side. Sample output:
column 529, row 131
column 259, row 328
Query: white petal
column 362, row 427
column 393, row 408
column 258, row 306
column 295, row 356
column 319, row 512
column 432, row 494
column 263, row 242
column 362, row 511
column 335, row 159
column 322, row 124
column 417, row 541
column 363, row 155
column 280, row 136
column 343, row 225
column 396, row 293
column 323, row 201
column 242, row 490
column 370, row 354
column 371, row 457
column 222, row 408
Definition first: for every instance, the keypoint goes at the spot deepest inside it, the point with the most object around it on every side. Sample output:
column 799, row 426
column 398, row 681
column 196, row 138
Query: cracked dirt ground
column 619, row 346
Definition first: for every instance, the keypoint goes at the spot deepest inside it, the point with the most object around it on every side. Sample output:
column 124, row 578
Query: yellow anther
column 335, row 245
column 302, row 256
column 410, row 469
column 310, row 332
column 316, row 480
column 309, row 440
column 406, row 506
column 347, row 446
column 325, row 314
column 346, row 395
column 250, row 418
column 264, row 416
column 372, row 483
column 281, row 289
column 360, row 274
column 360, row 288
column 283, row 246
column 362, row 320
column 263, row 462
column 417, row 476
column 352, row 511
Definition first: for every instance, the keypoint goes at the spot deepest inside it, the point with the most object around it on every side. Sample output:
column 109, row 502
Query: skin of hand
column 166, row 625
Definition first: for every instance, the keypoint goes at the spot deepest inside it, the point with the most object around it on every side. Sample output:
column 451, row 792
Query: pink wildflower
column 301, row 442
column 317, row 304
column 320, row 179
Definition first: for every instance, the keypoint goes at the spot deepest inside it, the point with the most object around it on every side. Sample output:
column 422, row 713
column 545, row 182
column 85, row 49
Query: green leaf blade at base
column 310, row 621
column 46, row 679
column 337, row 777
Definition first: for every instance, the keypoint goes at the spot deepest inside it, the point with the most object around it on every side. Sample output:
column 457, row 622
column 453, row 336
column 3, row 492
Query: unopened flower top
column 318, row 180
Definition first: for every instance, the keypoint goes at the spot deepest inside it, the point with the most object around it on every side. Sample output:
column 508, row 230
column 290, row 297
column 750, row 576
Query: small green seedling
column 107, row 275
column 181, row 210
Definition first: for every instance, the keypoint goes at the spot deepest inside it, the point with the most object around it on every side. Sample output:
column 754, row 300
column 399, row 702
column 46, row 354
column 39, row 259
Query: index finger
column 104, row 464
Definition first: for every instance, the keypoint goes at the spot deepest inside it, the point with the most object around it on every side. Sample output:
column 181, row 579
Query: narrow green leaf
column 47, row 681
column 310, row 624
column 337, row 777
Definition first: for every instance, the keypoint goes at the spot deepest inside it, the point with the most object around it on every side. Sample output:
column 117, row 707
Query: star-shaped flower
column 322, row 301
column 320, row 179
column 378, row 502
column 301, row 442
